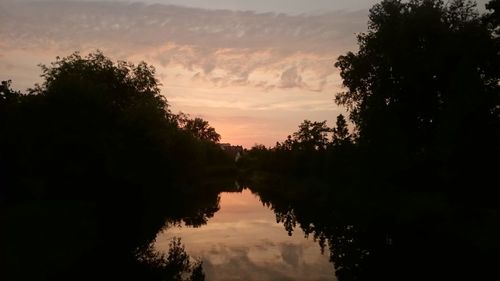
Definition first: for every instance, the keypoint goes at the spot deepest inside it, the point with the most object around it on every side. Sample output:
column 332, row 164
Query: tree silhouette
column 7, row 95
column 198, row 127
column 422, row 84
column 94, row 155
column 341, row 132
column 312, row 135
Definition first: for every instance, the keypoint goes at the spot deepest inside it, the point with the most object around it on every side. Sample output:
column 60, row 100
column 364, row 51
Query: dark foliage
column 411, row 194
column 93, row 165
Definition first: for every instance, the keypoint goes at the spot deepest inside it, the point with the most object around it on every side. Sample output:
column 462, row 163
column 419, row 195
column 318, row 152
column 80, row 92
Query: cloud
column 228, row 48
column 140, row 24
column 291, row 78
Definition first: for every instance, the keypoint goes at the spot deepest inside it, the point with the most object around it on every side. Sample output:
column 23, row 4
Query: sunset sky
column 254, row 69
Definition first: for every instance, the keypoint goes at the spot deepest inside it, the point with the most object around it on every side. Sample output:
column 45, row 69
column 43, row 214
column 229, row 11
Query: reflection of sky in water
column 244, row 242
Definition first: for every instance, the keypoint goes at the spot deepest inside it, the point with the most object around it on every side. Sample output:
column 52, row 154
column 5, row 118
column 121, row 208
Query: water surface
column 243, row 241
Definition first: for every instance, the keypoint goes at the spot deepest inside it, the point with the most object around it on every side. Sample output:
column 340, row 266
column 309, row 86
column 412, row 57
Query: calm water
column 244, row 242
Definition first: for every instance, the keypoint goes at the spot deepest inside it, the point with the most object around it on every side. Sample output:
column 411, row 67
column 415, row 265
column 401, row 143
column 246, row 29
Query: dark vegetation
column 93, row 165
column 411, row 192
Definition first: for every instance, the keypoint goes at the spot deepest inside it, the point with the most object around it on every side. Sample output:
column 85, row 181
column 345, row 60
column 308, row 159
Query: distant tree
column 6, row 93
column 198, row 127
column 312, row 135
column 258, row 147
column 286, row 145
column 201, row 129
column 341, row 132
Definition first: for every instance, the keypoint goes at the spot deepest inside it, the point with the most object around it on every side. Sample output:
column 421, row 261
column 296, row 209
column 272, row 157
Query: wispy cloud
column 223, row 47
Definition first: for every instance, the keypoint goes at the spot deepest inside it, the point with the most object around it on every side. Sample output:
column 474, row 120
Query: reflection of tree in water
column 341, row 239
column 176, row 265
column 387, row 242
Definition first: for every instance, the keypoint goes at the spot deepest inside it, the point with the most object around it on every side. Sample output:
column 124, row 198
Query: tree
column 93, row 118
column 408, row 65
column 341, row 132
column 93, row 151
column 198, row 127
column 423, row 93
column 312, row 135
column 121, row 85
column 6, row 92
column 424, row 83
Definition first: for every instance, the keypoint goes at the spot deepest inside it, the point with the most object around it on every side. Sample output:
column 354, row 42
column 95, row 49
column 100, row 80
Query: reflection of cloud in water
column 244, row 242
column 246, row 263
column 291, row 254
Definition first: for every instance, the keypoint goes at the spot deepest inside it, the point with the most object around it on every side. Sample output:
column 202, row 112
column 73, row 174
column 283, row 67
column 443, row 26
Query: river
column 243, row 241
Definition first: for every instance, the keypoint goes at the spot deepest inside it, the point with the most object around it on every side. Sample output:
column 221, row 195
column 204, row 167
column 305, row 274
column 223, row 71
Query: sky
column 254, row 69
